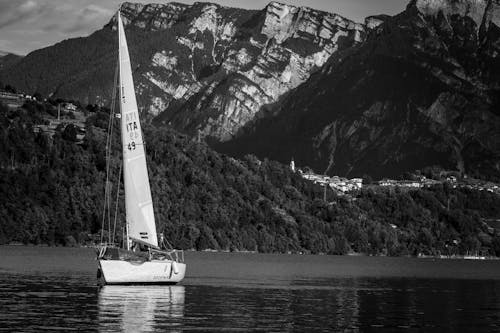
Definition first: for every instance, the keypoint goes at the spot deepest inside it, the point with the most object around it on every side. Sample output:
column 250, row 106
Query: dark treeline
column 52, row 192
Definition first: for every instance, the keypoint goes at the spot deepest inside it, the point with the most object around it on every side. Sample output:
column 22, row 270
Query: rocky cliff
column 424, row 89
column 265, row 57
column 205, row 69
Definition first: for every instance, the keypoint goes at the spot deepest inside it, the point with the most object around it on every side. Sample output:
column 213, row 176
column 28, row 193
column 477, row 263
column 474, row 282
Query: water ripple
column 211, row 299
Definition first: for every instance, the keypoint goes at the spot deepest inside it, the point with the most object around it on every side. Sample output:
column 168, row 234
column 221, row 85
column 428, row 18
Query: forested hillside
column 53, row 188
column 8, row 59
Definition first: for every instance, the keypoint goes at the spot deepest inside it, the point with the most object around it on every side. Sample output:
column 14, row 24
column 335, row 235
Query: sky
column 28, row 25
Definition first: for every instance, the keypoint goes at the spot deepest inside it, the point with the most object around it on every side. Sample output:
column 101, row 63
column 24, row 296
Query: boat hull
column 122, row 272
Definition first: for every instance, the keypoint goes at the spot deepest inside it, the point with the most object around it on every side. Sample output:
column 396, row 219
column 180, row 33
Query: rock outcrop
column 151, row 17
column 423, row 90
column 256, row 63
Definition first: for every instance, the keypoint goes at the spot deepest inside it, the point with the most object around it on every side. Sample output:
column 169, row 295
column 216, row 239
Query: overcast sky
column 27, row 25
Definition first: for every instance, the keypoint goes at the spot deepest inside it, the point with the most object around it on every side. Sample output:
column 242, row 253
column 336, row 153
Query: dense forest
column 52, row 192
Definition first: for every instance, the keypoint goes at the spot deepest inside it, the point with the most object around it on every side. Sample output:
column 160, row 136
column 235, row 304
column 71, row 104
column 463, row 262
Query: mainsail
column 138, row 202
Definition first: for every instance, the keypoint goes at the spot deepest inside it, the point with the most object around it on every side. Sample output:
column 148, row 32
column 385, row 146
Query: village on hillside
column 344, row 185
column 65, row 112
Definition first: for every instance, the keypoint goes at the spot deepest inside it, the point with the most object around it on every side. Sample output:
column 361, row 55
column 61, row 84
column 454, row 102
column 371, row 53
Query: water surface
column 49, row 289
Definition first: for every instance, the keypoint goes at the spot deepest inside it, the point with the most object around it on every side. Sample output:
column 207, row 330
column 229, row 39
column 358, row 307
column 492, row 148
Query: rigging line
column 110, row 188
column 116, row 204
column 108, row 162
column 112, row 120
column 108, row 166
column 106, row 194
column 168, row 243
column 104, row 211
column 104, row 207
column 106, row 191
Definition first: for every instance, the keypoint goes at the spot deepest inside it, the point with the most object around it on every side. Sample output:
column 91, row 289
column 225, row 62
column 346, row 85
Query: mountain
column 203, row 68
column 381, row 98
column 8, row 59
column 422, row 90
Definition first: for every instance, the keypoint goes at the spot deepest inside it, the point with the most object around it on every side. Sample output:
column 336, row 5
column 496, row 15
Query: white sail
column 138, row 202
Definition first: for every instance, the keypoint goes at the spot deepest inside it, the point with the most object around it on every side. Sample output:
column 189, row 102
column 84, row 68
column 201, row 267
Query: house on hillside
column 410, row 184
column 70, row 107
column 387, row 182
column 11, row 100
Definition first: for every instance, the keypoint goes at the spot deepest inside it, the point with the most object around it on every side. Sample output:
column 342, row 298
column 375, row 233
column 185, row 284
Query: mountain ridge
column 421, row 91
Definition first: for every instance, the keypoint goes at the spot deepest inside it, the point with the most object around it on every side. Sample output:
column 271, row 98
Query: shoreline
column 351, row 254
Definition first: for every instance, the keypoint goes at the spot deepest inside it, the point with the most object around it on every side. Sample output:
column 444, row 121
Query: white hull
column 148, row 272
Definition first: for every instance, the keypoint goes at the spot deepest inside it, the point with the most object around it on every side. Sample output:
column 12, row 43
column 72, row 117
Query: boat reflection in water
column 141, row 308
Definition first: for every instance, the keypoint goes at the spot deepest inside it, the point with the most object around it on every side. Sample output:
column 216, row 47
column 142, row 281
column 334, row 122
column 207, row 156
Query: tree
column 10, row 89
column 37, row 96
column 367, row 180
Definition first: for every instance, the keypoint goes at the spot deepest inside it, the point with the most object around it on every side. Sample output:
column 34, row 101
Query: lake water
column 55, row 289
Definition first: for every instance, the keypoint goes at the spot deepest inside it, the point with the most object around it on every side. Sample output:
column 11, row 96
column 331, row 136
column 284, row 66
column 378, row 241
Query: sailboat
column 151, row 264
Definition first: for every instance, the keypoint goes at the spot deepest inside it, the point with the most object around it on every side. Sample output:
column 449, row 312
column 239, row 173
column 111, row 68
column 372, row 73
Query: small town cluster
column 344, row 185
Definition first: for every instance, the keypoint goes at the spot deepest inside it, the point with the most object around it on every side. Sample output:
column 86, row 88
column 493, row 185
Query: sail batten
column 138, row 201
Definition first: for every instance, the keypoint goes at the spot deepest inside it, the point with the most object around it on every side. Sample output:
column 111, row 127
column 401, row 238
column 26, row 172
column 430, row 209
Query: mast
column 120, row 33
column 140, row 220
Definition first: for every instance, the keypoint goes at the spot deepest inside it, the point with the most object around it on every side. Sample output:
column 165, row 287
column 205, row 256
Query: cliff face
column 203, row 68
column 424, row 89
column 150, row 17
column 238, row 67
column 267, row 56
